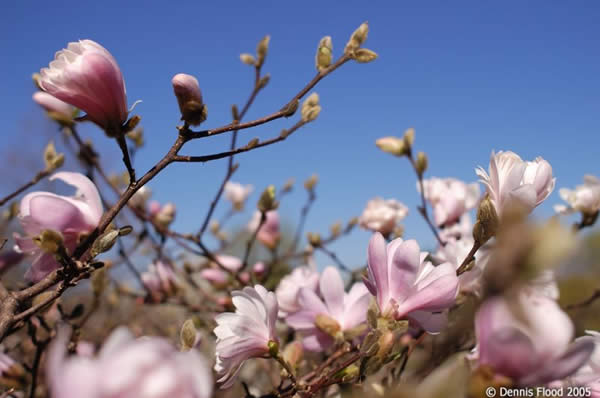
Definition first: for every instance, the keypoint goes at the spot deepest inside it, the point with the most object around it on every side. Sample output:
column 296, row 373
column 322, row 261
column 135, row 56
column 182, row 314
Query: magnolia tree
column 477, row 316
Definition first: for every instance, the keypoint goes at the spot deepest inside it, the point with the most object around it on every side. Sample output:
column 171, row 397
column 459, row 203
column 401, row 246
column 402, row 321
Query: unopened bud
column 262, row 83
column 409, row 137
column 248, row 59
column 293, row 353
column 386, row 342
column 137, row 136
column 421, row 163
column 252, row 143
column 314, row 239
column 311, row 182
column 105, row 242
column 166, row 215
column 189, row 98
column 288, row 186
column 215, row 227
column 290, row 108
column 392, row 145
column 262, row 49
column 324, row 53
column 353, row 222
column 52, row 159
column 36, row 80
column 328, row 325
column 357, row 38
column 350, row 373
column 364, row 55
column 487, row 221
column 267, row 200
column 188, row 336
column 310, row 108
column 336, row 229
column 370, row 344
column 132, row 123
column 50, row 241
column 235, row 113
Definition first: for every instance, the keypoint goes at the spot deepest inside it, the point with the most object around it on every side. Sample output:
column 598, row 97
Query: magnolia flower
column 512, row 180
column 589, row 374
column 148, row 367
column 319, row 321
column 268, row 234
column 382, row 215
column 69, row 215
column 140, row 198
column 164, row 215
column 247, row 333
column 584, row 198
column 528, row 339
column 459, row 230
column 406, row 286
column 237, row 194
column 52, row 104
column 160, row 279
column 189, row 98
column 450, row 198
column 87, row 76
column 289, row 288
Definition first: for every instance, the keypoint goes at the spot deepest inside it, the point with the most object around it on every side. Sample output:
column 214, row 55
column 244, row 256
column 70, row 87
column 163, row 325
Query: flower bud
column 364, row 55
column 57, row 110
column 188, row 336
column 293, row 353
column 52, row 159
column 259, row 268
column 357, row 38
column 12, row 374
column 311, row 182
column 392, row 145
column 487, row 221
column 189, row 98
column 328, row 325
column 261, row 50
column 409, row 137
column 267, row 200
column 324, row 53
column 137, row 136
column 314, row 239
column 262, row 83
column 166, row 215
column 273, row 347
column 336, row 229
column 105, row 242
column 310, row 108
column 288, row 186
column 421, row 163
column 248, row 59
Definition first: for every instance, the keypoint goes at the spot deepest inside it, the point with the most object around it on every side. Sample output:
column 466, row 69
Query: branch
column 38, row 177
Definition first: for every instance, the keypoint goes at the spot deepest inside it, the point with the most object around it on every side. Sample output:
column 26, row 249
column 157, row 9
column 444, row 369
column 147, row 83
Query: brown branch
column 38, row 177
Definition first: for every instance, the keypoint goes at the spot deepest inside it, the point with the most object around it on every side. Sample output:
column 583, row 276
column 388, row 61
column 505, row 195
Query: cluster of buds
column 397, row 146
column 52, row 159
column 261, row 53
column 353, row 47
column 310, row 108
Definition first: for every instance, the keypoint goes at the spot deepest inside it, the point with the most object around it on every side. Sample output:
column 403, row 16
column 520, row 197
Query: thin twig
column 38, row 177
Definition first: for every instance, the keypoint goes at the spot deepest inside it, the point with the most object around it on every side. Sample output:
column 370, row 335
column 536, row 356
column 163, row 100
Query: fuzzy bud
column 328, row 325
column 273, row 348
column 409, row 137
column 267, row 200
column 311, row 182
column 487, row 221
column 50, row 241
column 261, row 50
column 364, row 55
column 288, row 186
column 262, row 83
column 310, row 108
column 188, row 336
column 421, row 163
column 248, row 59
column 293, row 353
column 52, row 159
column 324, row 53
column 357, row 38
column 105, row 242
column 189, row 98
column 392, row 145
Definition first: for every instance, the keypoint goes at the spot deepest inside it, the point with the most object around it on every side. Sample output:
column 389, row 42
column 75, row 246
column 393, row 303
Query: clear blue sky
column 470, row 76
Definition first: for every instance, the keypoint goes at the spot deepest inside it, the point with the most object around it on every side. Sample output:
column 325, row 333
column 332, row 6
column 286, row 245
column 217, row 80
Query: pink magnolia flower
column 245, row 334
column 237, row 194
column 69, row 215
column 87, row 76
column 528, row 340
column 268, row 234
column 148, row 367
column 584, row 198
column 340, row 310
column 589, row 374
column 512, row 180
column 289, row 288
column 382, row 215
column 52, row 104
column 450, row 198
column 160, row 279
column 408, row 287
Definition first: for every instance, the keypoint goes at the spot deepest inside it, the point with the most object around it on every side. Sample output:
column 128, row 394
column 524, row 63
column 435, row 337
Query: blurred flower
column 407, row 286
column 218, row 276
column 268, row 234
column 259, row 268
column 589, row 374
column 52, row 104
column 148, row 367
column 382, row 215
column 69, row 215
column 189, row 98
column 237, row 194
column 513, row 181
column 87, row 76
column 584, row 198
column 527, row 339
column 245, row 334
column 289, row 288
column 139, row 199
column 319, row 321
column 160, row 279
column 450, row 198
column 459, row 230
column 163, row 215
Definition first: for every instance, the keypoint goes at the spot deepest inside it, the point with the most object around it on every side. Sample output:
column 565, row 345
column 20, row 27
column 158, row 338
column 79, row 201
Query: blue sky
column 469, row 76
